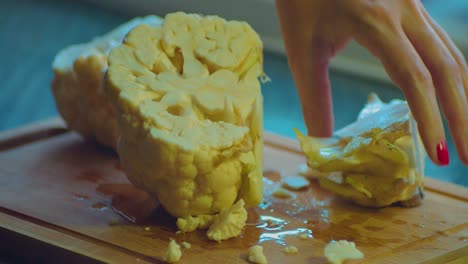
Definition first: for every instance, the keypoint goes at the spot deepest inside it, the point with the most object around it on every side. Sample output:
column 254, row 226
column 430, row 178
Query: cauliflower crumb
column 230, row 222
column 303, row 236
column 282, row 193
column 147, row 228
column 291, row 250
column 256, row 255
column 173, row 252
column 338, row 251
column 186, row 245
column 295, row 182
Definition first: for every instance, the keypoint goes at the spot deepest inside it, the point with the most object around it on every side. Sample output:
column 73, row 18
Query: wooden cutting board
column 64, row 199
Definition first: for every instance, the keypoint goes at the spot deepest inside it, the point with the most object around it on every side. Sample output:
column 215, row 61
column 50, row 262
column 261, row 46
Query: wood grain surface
column 72, row 196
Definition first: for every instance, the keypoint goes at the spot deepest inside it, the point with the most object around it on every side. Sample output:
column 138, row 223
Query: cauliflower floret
column 78, row 85
column 338, row 251
column 255, row 255
column 375, row 160
column 192, row 223
column 190, row 112
column 173, row 252
column 230, row 222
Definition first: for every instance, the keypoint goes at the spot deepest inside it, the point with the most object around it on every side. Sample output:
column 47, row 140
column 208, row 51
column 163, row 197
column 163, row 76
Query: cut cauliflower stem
column 78, row 85
column 190, row 112
column 374, row 161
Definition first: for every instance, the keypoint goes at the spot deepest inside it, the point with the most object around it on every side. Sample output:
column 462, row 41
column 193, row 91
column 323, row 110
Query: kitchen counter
column 32, row 32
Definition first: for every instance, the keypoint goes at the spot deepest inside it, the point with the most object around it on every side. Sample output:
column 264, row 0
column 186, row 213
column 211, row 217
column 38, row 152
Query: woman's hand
column 416, row 53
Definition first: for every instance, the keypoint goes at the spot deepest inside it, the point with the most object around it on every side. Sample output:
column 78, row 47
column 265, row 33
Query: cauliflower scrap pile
column 374, row 161
column 189, row 104
column 78, row 85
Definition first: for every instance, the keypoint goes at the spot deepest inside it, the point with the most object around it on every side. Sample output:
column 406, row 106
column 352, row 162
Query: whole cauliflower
column 190, row 112
column 78, row 85
column 374, row 161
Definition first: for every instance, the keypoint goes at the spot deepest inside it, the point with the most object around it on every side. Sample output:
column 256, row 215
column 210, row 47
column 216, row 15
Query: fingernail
column 442, row 153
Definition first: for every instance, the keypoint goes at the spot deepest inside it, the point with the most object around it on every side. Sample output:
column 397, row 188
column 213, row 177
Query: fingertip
column 435, row 144
column 443, row 157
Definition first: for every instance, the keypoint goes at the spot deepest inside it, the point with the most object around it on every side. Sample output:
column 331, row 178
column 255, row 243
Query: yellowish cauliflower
column 230, row 222
column 173, row 252
column 338, row 251
column 190, row 112
column 290, row 250
column 255, row 255
column 192, row 223
column 374, row 161
column 78, row 85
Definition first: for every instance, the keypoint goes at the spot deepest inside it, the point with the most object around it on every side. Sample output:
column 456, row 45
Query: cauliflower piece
column 282, row 193
column 78, row 85
column 374, row 161
column 338, row 251
column 186, row 245
column 229, row 224
column 192, row 223
column 190, row 112
column 173, row 252
column 295, row 182
column 255, row 255
column 290, row 250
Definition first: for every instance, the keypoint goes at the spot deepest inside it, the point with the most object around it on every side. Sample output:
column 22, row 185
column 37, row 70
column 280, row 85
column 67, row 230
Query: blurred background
column 32, row 32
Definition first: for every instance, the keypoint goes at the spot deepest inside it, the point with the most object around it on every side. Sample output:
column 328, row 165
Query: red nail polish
column 442, row 153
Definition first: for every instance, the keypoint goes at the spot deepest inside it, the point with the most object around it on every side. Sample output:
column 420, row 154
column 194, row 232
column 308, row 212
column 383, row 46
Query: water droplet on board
column 279, row 237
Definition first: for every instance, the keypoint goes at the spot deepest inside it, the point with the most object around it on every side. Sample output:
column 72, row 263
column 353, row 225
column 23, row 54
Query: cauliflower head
column 373, row 161
column 78, row 85
column 189, row 104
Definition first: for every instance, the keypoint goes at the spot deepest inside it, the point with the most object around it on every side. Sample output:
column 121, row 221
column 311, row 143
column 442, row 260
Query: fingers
column 457, row 55
column 406, row 68
column 446, row 77
column 310, row 73
column 308, row 61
